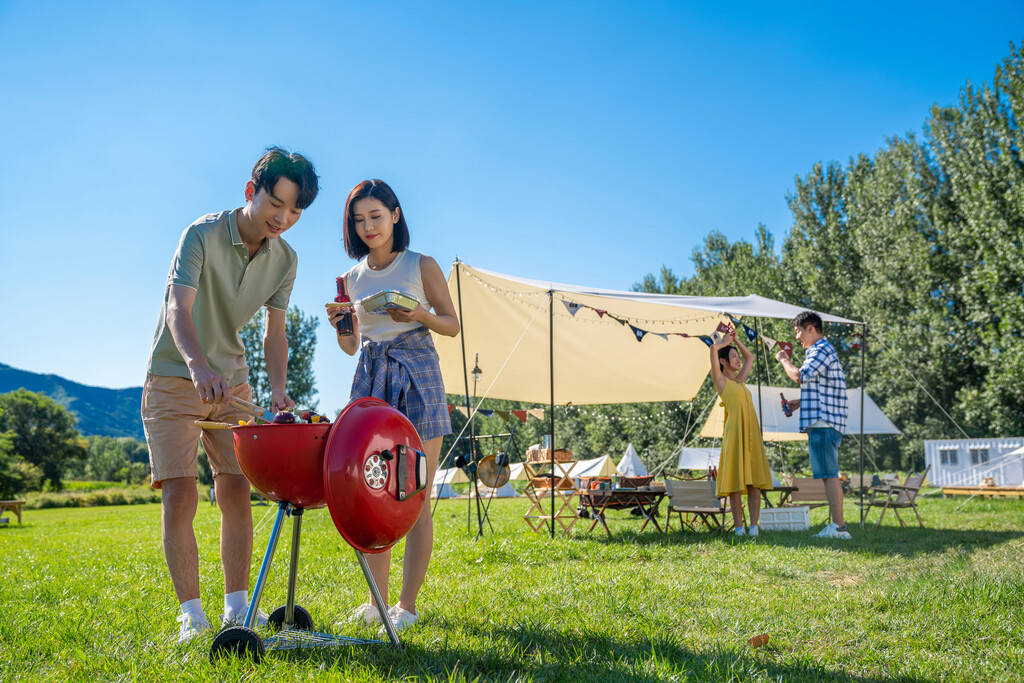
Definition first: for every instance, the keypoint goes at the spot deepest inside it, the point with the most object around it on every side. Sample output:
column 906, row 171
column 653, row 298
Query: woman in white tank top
column 397, row 360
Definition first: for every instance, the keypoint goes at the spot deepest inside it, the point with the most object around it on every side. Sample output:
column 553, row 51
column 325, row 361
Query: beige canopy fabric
column 597, row 358
column 778, row 427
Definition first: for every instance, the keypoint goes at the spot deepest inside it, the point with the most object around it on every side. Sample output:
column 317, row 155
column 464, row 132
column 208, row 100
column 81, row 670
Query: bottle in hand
column 787, row 411
column 344, row 324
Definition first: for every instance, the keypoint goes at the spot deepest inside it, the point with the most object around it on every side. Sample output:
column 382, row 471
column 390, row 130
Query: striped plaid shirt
column 822, row 388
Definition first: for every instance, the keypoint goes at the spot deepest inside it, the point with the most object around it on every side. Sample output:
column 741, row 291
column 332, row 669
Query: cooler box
column 785, row 519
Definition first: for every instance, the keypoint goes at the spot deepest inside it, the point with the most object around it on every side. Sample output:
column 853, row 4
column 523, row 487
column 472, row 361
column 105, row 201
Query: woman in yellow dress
column 742, row 465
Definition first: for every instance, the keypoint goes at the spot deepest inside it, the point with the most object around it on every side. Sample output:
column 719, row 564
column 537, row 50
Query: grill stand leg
column 382, row 606
column 268, row 557
column 293, row 568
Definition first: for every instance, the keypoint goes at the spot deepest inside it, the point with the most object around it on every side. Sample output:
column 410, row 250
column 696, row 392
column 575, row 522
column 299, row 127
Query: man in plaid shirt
column 823, row 409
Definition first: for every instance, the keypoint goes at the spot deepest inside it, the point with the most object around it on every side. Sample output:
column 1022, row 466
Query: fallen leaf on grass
column 759, row 641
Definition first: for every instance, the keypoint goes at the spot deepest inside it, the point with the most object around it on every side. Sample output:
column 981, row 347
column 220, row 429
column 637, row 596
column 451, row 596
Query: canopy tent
column 546, row 342
column 443, row 491
column 607, row 346
column 777, row 427
column 631, row 465
column 452, row 475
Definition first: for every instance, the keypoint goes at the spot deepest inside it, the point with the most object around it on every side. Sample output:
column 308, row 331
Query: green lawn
column 85, row 596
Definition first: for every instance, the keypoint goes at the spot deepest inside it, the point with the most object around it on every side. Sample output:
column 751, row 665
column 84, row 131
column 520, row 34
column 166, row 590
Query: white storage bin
column 785, row 519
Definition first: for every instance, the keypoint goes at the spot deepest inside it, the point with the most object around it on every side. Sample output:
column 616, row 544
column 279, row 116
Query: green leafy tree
column 300, row 331
column 16, row 475
column 42, row 433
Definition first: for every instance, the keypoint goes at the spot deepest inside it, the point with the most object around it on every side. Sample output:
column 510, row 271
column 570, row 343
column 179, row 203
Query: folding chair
column 898, row 496
column 696, row 498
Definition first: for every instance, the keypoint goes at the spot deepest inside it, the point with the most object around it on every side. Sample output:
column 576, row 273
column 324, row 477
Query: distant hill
column 100, row 411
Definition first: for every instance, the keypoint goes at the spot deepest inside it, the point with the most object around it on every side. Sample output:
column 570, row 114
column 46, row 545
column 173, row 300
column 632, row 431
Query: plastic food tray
column 786, row 519
column 379, row 303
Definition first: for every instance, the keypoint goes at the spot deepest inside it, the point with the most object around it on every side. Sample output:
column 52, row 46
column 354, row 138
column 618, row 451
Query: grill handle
column 402, row 467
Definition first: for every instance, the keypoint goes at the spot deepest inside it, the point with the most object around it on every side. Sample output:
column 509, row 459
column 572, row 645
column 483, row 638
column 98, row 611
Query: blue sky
column 581, row 142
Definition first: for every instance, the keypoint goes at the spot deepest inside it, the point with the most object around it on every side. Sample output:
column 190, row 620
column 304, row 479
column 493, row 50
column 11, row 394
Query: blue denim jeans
column 823, row 443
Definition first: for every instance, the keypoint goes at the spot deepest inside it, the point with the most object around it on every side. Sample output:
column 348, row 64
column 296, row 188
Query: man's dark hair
column 381, row 191
column 807, row 318
column 277, row 163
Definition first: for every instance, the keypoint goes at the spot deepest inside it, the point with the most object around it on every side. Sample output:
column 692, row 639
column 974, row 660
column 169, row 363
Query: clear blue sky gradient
column 581, row 142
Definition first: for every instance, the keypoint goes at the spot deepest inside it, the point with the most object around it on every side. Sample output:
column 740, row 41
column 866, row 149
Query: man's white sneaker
column 740, row 531
column 842, row 533
column 754, row 531
column 191, row 627
column 828, row 532
column 238, row 618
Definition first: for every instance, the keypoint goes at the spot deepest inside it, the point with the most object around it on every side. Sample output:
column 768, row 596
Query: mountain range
column 100, row 411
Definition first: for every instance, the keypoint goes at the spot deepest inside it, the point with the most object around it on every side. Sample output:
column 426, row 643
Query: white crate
column 785, row 519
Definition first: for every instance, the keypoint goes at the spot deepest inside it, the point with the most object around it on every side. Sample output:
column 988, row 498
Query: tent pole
column 551, row 367
column 757, row 359
column 863, row 356
column 465, row 377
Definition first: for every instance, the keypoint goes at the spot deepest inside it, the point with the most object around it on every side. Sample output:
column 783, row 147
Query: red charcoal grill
column 367, row 468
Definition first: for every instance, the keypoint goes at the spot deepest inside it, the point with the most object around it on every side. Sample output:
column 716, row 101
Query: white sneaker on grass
column 366, row 614
column 843, row 533
column 754, row 531
column 828, row 532
column 740, row 531
column 191, row 627
column 238, row 618
column 400, row 619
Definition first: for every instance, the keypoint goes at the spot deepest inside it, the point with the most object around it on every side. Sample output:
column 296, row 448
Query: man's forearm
column 275, row 349
column 792, row 371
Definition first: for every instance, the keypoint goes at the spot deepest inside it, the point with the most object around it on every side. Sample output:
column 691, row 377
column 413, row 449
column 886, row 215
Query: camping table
column 644, row 499
column 784, row 493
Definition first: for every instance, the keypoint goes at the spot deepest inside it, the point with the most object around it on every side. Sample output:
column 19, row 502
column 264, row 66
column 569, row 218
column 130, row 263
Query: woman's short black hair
column 723, row 353
column 277, row 163
column 805, row 319
column 381, row 191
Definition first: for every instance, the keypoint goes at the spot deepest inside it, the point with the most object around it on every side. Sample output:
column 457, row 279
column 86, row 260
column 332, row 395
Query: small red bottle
column 344, row 324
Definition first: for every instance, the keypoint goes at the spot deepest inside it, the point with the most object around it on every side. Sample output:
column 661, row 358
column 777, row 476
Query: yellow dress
column 743, row 462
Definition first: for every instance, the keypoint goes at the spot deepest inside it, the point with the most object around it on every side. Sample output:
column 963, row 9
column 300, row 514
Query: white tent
column 505, row 491
column 778, row 427
column 631, row 465
column 452, row 475
column 698, row 458
column 443, row 491
column 595, row 467
column 608, row 346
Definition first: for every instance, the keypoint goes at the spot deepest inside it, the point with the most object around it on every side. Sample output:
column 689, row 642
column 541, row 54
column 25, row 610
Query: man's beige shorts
column 170, row 407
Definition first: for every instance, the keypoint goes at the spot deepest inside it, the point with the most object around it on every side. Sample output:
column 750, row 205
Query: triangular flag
column 503, row 414
column 661, row 334
column 521, row 414
column 638, row 332
column 485, row 413
column 572, row 307
column 463, row 410
column 618, row 320
column 787, row 347
column 723, row 328
column 536, row 412
column 751, row 334
column 768, row 341
column 600, row 313
column 450, row 408
column 735, row 319
column 706, row 339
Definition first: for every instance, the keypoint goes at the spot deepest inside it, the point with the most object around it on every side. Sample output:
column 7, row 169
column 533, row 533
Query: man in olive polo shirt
column 227, row 266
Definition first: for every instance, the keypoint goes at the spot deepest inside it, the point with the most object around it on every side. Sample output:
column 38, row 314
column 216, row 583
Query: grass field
column 85, row 596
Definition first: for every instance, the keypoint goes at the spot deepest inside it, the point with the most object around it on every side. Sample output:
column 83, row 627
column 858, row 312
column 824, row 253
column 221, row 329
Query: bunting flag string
column 506, row 415
column 621, row 418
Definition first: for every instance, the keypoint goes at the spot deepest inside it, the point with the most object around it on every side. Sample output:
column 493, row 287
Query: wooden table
column 644, row 499
column 784, row 493
column 12, row 505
